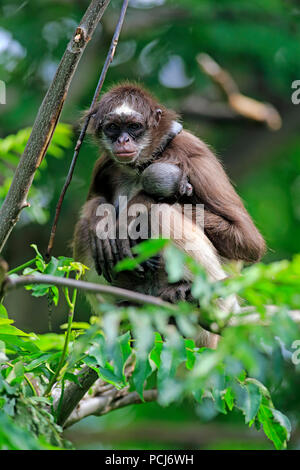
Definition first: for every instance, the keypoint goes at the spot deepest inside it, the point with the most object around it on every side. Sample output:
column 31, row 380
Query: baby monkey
column 163, row 180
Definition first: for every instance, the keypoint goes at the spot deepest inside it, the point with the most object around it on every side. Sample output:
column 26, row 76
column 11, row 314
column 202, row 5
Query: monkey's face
column 124, row 139
column 125, row 134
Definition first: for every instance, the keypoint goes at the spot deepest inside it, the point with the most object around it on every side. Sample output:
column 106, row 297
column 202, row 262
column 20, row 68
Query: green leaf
column 141, row 372
column 190, row 353
column 248, row 400
column 275, row 425
column 218, row 401
column 76, row 325
column 172, row 355
column 12, row 330
column 156, row 351
column 175, row 260
column 121, row 353
column 229, row 398
column 144, row 251
column 144, row 342
column 3, row 312
column 16, row 375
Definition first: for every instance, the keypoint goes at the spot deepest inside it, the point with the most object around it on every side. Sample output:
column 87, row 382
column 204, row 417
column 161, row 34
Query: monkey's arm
column 96, row 241
column 226, row 221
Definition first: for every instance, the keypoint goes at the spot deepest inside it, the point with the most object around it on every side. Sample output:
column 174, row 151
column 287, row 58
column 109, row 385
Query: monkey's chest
column 127, row 187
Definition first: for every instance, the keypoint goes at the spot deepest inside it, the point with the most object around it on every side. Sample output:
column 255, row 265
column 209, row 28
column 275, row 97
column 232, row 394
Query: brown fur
column 228, row 227
column 226, row 221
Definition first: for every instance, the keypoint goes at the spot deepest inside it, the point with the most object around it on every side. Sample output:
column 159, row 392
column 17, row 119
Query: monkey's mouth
column 125, row 155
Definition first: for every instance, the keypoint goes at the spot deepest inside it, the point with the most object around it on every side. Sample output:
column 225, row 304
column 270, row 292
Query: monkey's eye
column 112, row 128
column 135, row 126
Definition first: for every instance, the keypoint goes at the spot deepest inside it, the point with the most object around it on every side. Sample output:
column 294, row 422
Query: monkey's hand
column 177, row 293
column 107, row 252
column 104, row 252
column 108, row 247
column 185, row 188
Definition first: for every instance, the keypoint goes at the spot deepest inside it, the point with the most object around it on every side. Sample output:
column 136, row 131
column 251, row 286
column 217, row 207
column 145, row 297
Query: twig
column 105, row 68
column 241, row 104
column 21, row 281
column 248, row 316
column 67, row 339
column 46, row 120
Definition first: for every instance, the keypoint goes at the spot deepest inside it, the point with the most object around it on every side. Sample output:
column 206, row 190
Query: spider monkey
column 149, row 158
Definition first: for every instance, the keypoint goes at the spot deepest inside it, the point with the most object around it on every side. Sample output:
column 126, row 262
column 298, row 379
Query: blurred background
column 258, row 43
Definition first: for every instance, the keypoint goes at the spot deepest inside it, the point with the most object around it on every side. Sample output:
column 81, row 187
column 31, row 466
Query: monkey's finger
column 100, row 256
column 124, row 248
column 140, row 268
column 93, row 242
column 101, row 259
column 183, row 293
column 185, row 187
column 133, row 242
column 125, row 252
column 108, row 260
column 114, row 251
column 189, row 189
column 152, row 263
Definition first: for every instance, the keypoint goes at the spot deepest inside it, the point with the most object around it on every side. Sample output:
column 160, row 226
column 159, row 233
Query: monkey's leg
column 170, row 222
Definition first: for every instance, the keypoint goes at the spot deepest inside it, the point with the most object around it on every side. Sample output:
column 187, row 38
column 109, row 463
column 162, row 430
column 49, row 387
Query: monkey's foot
column 177, row 293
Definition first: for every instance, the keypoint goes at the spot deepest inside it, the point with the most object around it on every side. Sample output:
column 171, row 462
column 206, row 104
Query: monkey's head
column 131, row 124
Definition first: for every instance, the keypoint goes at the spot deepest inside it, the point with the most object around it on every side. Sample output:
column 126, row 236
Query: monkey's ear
column 157, row 116
column 95, row 119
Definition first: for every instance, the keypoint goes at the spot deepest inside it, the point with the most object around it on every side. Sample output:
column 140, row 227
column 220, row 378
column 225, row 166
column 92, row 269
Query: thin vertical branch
column 46, row 120
column 105, row 68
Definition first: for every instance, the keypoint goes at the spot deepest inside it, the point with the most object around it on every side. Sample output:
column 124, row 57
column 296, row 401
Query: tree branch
column 105, row 68
column 239, row 103
column 74, row 392
column 11, row 283
column 247, row 315
column 105, row 403
column 46, row 120
column 77, row 404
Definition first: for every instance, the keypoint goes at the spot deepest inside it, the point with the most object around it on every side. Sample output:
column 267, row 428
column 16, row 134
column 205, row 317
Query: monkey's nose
column 123, row 139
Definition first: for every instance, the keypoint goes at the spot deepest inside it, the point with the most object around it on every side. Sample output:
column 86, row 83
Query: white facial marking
column 125, row 109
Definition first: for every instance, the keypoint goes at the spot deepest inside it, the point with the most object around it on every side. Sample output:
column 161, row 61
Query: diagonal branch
column 106, row 65
column 239, row 103
column 74, row 392
column 103, row 404
column 77, row 404
column 46, row 120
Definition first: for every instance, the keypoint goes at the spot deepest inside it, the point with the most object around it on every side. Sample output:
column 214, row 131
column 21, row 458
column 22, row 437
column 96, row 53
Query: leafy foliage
column 163, row 355
column 11, row 148
column 166, row 356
